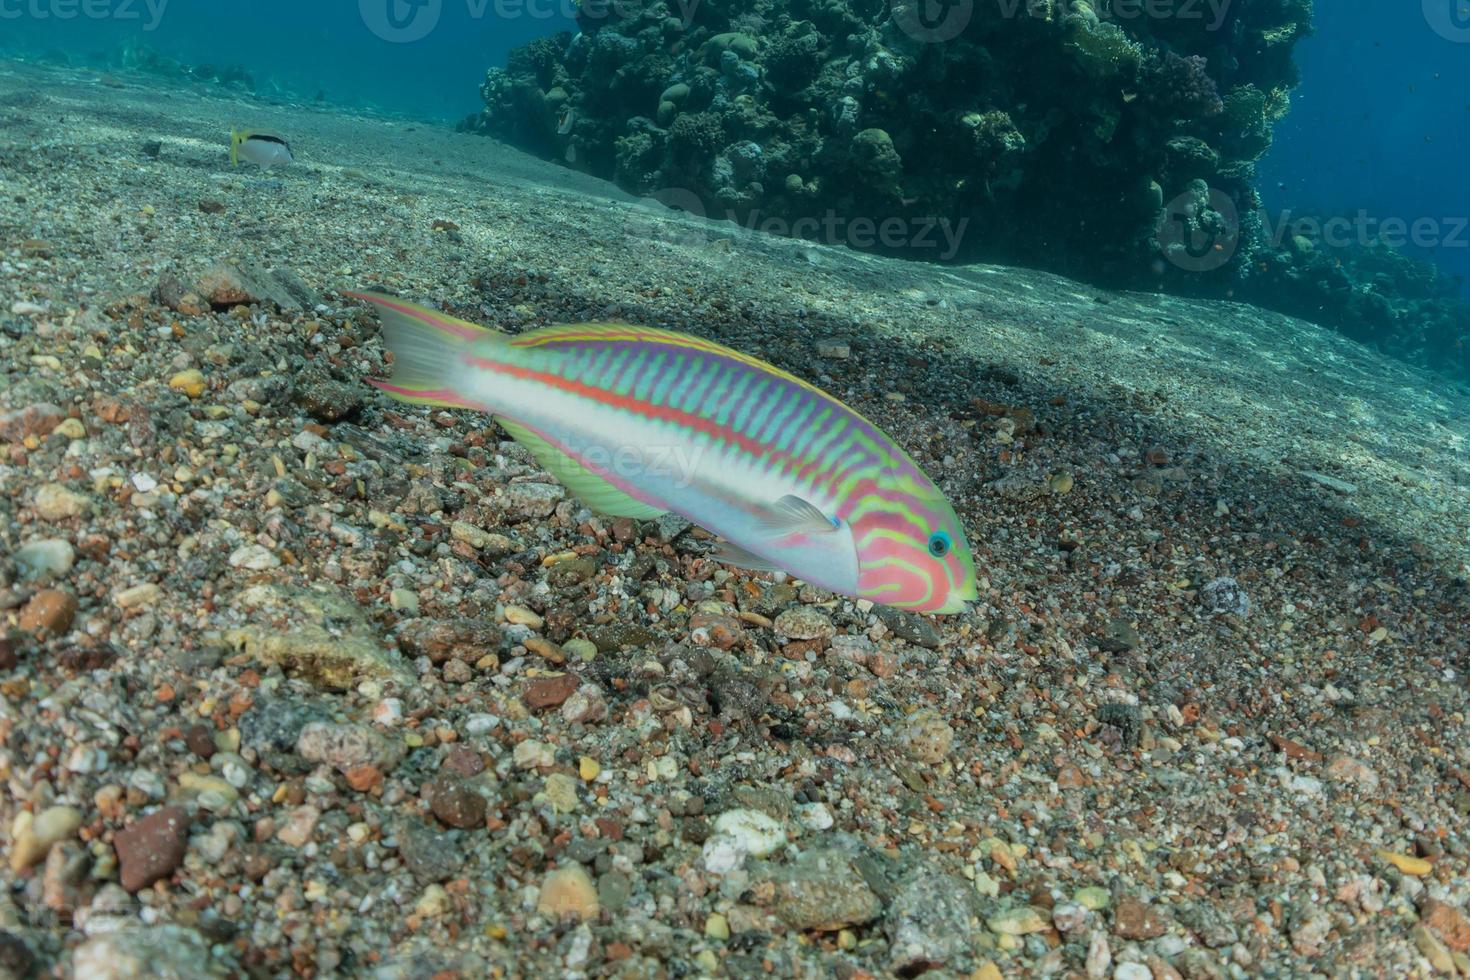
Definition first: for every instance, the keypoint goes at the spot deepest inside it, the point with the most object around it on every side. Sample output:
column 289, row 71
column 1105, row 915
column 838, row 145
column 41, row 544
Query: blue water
column 424, row 58
column 1379, row 129
column 1381, row 123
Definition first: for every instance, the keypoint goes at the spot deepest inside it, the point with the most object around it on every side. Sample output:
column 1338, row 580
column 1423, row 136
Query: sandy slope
column 1101, row 722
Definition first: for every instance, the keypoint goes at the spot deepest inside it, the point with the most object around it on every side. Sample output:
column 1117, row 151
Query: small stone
column 254, row 557
column 1118, row 636
column 586, row 705
column 568, row 892
column 200, row 740
column 1062, row 483
column 73, row 429
column 1136, row 920
column 1447, row 922
column 455, row 802
column 805, row 623
column 926, row 737
column 47, row 558
column 532, row 754
column 190, row 382
column 584, row 650
column 345, row 747
column 34, row 420
column 404, row 601
column 1133, row 971
column 138, row 596
column 1224, row 595
column 561, row 792
column 823, row 891
column 1099, row 956
column 588, row 768
column 152, row 848
column 32, row 841
column 1346, row 769
column 54, row 502
column 549, row 692
column 739, row 834
column 433, row 903
column 1017, row 922
column 521, row 616
column 159, row 952
column 50, row 611
column 928, row 922
column 299, row 826
column 717, row 927
column 1433, row 950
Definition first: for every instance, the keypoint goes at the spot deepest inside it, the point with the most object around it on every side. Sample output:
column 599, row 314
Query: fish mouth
column 955, row 603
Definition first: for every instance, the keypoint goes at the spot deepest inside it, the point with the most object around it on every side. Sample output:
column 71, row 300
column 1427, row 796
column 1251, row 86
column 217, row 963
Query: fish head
column 912, row 552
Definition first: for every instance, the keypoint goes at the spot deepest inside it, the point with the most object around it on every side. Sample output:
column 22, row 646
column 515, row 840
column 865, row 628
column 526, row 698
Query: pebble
column 741, row 833
column 1133, row 971
column 138, row 596
column 433, row 902
column 1099, row 956
column 805, row 623
column 521, row 616
column 34, row 836
column 926, row 737
column 254, row 557
column 50, row 610
column 1133, row 919
column 1448, row 923
column 152, row 848
column 36, row 421
column 823, row 891
column 532, row 754
column 44, row 559
column 455, row 802
column 54, row 502
column 549, row 692
column 190, row 382
column 404, row 601
column 1224, row 595
column 345, row 747
column 568, row 892
column 299, row 826
column 1017, row 922
column 928, row 922
column 166, row 951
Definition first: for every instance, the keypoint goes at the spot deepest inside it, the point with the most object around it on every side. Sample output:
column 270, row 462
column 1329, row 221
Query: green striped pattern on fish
column 640, row 421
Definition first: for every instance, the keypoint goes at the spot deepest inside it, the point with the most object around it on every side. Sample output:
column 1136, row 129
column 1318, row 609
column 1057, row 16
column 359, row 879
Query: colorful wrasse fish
column 639, row 422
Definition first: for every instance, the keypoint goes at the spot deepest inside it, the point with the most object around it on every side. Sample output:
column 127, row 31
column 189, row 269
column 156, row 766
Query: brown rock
column 200, row 740
column 445, row 639
column 723, row 632
column 1135, row 920
column 152, row 848
column 549, row 692
column 1294, row 750
column 50, row 611
column 455, row 802
column 33, row 420
column 1449, row 923
column 364, row 778
column 463, row 761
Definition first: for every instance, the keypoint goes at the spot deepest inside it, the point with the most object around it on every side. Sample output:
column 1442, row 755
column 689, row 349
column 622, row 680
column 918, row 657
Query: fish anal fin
column 591, row 489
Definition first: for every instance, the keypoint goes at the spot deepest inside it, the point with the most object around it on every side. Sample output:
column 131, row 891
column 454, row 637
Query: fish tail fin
column 236, row 138
column 428, row 348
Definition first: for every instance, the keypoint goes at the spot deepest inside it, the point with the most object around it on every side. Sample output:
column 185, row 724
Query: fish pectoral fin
column 795, row 515
column 733, row 554
column 591, row 489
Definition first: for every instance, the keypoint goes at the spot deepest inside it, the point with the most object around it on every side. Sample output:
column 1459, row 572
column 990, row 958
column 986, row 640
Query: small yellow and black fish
column 261, row 149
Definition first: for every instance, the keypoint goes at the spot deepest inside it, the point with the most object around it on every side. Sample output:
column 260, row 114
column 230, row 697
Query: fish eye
column 939, row 544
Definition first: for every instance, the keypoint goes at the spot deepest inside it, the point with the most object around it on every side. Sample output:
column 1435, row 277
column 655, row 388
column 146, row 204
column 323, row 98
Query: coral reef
column 1052, row 132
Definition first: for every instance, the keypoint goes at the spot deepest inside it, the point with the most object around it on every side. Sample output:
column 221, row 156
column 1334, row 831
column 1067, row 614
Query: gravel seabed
column 298, row 681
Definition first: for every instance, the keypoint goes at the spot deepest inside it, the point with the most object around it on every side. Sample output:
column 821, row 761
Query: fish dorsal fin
column 591, row 489
column 796, row 515
column 733, row 554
